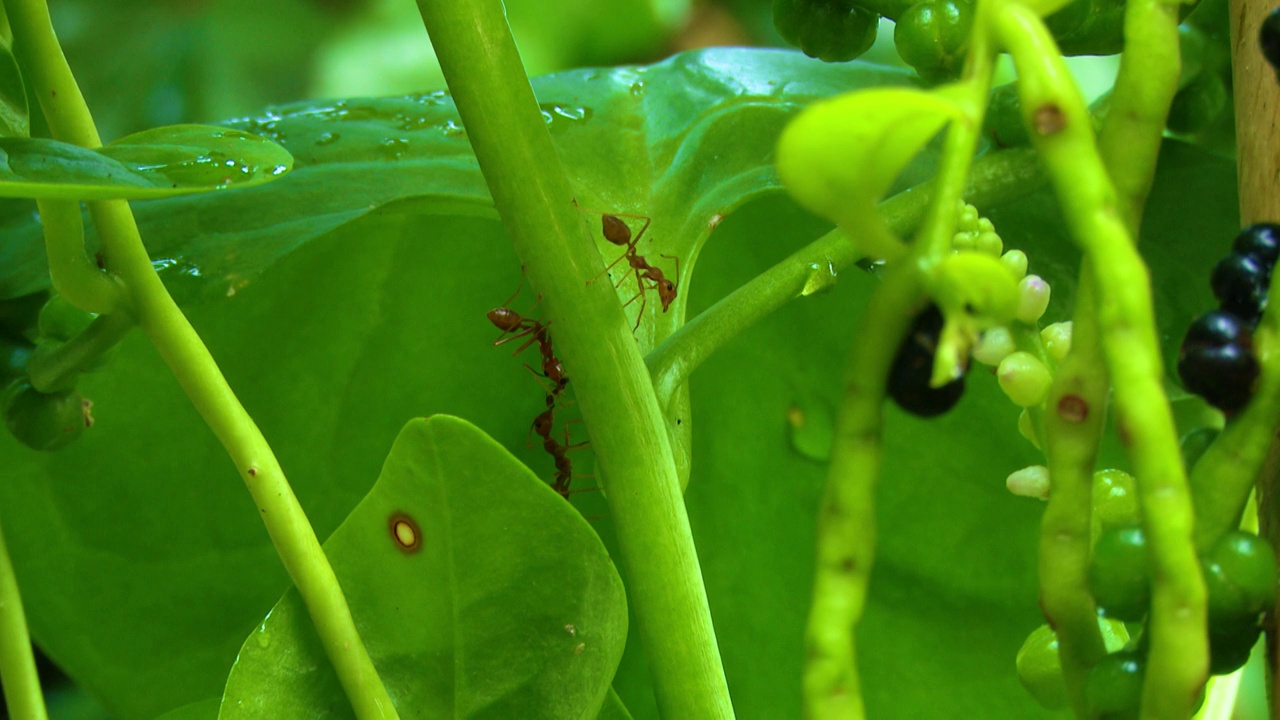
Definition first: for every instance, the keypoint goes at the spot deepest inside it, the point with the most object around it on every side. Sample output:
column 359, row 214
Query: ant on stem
column 618, row 233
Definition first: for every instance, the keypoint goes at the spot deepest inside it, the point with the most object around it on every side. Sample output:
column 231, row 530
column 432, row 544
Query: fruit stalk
column 291, row 533
column 1061, row 131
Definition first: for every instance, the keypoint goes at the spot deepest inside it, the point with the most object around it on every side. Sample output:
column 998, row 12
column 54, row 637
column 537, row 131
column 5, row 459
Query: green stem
column 1071, row 441
column 1055, row 112
column 294, row 539
column 22, row 695
column 846, row 520
column 55, row 370
column 995, row 179
column 1133, row 129
column 74, row 275
column 553, row 239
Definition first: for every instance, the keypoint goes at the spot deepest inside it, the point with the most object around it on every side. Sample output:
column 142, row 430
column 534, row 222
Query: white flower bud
column 1033, row 298
column 1030, row 482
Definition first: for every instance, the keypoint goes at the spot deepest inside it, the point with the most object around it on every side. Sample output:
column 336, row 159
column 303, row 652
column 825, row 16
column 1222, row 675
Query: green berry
column 1113, row 689
column 1240, row 577
column 60, row 320
column 1016, row 262
column 830, row 30
column 1033, row 298
column 44, row 421
column 1230, row 644
column 1003, row 121
column 995, row 345
column 932, row 37
column 1115, row 501
column 1118, row 575
column 1057, row 340
column 1040, row 669
column 1024, row 379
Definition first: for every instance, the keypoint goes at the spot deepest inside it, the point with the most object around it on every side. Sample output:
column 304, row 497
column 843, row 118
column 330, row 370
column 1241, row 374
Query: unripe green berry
column 1024, row 379
column 1016, row 261
column 44, row 421
column 1240, row 577
column 1057, row 340
column 1030, row 481
column 967, row 218
column 1040, row 669
column 1113, row 688
column 995, row 345
column 1115, row 501
column 964, row 241
column 1118, row 574
column 1033, row 298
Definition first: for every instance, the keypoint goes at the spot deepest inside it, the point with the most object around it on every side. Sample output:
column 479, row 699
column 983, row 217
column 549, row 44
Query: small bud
column 1026, row 430
column 995, row 345
column 1024, row 379
column 1016, row 261
column 1033, row 298
column 1030, row 482
column 1057, row 340
column 990, row 243
column 968, row 219
column 963, row 241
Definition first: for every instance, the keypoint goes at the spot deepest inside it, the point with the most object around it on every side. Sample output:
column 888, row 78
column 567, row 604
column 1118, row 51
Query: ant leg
column 673, row 257
column 527, row 327
column 609, row 267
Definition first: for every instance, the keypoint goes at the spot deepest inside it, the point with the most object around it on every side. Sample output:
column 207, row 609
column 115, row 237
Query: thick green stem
column 1073, row 421
column 994, row 180
column 74, row 275
column 22, row 695
column 553, row 239
column 1178, row 660
column 846, row 520
column 195, row 369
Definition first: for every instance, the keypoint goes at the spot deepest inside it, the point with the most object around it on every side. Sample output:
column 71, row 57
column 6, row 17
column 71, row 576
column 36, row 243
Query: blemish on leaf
column 579, row 648
column 405, row 532
column 1073, row 408
column 253, row 471
column 86, row 410
column 571, row 629
column 1048, row 119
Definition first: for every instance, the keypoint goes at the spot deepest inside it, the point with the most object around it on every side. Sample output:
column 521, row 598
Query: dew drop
column 326, row 138
column 822, row 277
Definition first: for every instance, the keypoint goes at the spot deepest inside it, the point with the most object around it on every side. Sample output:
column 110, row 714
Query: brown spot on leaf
column 1073, row 408
column 404, row 531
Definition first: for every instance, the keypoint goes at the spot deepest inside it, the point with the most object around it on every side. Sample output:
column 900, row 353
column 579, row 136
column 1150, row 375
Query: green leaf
column 478, row 591
column 167, row 161
column 336, row 324
column 840, row 157
column 14, row 118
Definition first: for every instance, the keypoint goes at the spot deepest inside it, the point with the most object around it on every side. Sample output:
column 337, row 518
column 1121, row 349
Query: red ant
column 618, row 233
column 543, row 425
column 510, row 321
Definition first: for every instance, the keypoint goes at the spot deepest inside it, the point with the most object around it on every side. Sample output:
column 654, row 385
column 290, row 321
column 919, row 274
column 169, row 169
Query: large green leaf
column 505, row 605
column 167, row 161
column 14, row 118
column 349, row 297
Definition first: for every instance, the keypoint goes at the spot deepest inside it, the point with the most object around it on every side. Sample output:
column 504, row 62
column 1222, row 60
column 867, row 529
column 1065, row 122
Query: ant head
column 667, row 293
column 542, row 425
column 615, row 231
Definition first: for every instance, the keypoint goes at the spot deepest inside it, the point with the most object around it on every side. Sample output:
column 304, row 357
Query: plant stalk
column 18, row 676
column 532, row 194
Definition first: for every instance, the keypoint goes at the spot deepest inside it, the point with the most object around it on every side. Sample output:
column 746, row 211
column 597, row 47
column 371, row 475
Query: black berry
column 913, row 367
column 1261, row 241
column 1223, row 375
column 1269, row 38
column 1240, row 282
column 1215, row 329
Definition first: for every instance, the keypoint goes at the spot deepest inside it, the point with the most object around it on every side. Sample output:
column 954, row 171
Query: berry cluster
column 1216, row 360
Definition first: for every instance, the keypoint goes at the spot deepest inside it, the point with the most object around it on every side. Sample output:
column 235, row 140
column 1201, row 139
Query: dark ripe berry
column 1260, row 241
column 1241, row 282
column 1223, row 376
column 913, row 367
column 1215, row 329
column 1269, row 38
